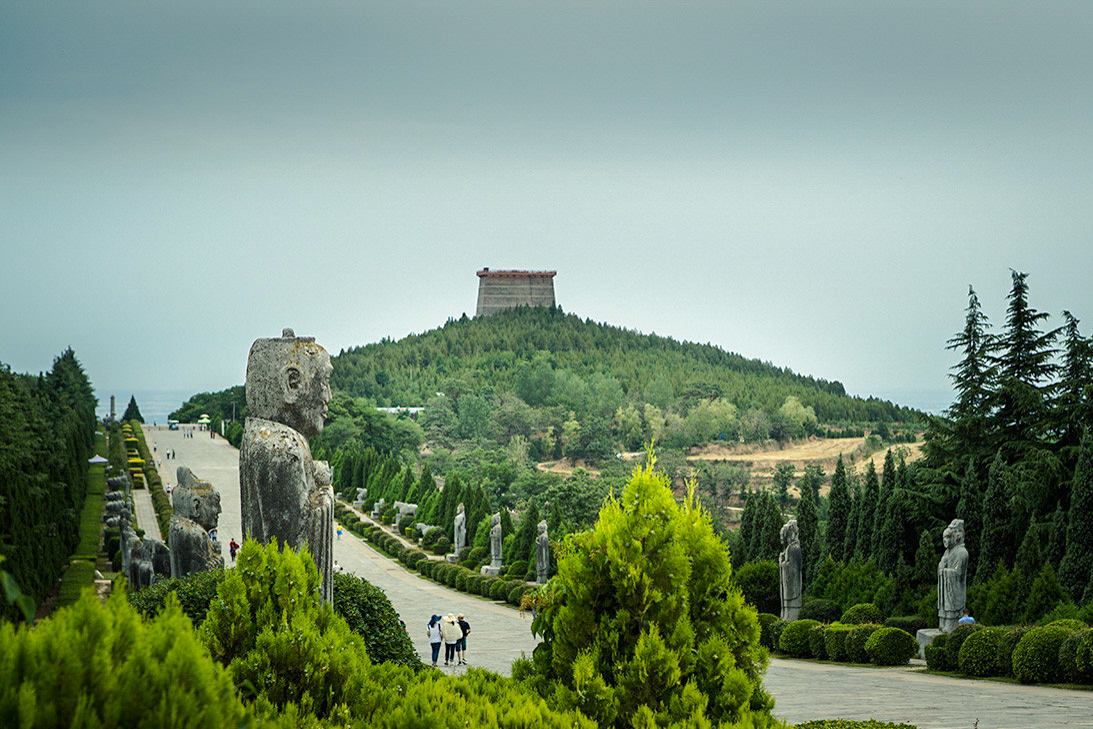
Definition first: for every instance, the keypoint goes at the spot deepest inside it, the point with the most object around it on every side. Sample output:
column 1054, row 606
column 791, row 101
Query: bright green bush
column 1036, row 657
column 978, row 654
column 1083, row 658
column 1006, row 647
column 956, row 640
column 816, row 644
column 499, row 590
column 194, row 593
column 368, row 613
column 759, row 583
column 891, row 647
column 794, row 638
column 95, row 665
column 826, row 611
column 1070, row 624
column 1068, row 656
column 442, row 546
column 862, row 613
column 776, row 629
column 835, row 641
column 518, row 568
column 856, row 640
column 79, row 576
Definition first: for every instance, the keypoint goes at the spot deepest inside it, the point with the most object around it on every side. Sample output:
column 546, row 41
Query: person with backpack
column 461, row 645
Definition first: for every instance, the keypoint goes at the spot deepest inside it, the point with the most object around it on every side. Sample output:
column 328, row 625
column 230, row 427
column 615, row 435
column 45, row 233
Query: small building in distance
column 500, row 290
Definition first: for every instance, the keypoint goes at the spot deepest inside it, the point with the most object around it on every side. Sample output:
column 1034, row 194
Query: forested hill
column 540, row 354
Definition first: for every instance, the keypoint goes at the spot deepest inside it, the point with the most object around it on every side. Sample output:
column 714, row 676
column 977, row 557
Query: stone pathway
column 146, row 514
column 803, row 690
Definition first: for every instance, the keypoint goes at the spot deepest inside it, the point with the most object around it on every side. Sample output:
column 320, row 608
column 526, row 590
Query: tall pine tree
column 967, row 430
column 838, row 515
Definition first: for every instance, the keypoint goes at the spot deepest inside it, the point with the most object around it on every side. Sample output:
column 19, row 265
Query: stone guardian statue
column 494, row 567
column 952, row 573
column 196, row 515
column 460, row 529
column 542, row 554
column 789, row 571
column 287, row 495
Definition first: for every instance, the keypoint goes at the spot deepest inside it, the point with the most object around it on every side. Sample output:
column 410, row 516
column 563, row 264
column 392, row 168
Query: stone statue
column 196, row 515
column 285, row 494
column 542, row 554
column 150, row 561
column 494, row 567
column 789, row 571
column 460, row 529
column 952, row 573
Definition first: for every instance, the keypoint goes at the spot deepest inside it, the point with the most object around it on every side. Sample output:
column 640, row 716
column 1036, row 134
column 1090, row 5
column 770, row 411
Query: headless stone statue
column 287, row 495
column 196, row 514
column 149, row 562
column 460, row 529
column 952, row 573
column 542, row 554
column 494, row 567
column 789, row 571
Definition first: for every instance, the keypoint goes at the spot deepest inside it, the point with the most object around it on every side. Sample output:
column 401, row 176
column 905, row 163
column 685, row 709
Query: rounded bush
column 776, row 629
column 1036, row 657
column 956, row 639
column 911, row 623
column 794, row 639
column 461, row 580
column 891, row 647
column 1071, row 624
column 486, row 585
column 1009, row 642
column 862, row 613
column 816, row 643
column 431, row 537
column 499, row 590
column 835, row 641
column 978, row 655
column 518, row 568
column 856, row 640
column 759, row 583
column 515, row 593
column 1083, row 658
column 442, row 546
column 1068, row 656
column 766, row 636
column 826, row 611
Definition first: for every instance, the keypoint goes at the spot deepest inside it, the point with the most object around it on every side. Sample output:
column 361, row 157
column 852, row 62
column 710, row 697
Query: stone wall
column 500, row 290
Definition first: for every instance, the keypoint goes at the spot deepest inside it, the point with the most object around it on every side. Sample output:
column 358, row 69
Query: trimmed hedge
column 1068, row 656
column 816, row 641
column 856, row 640
column 956, row 640
column 861, row 614
column 79, row 574
column 937, row 659
column 1083, row 658
column 891, row 647
column 826, row 611
column 911, row 623
column 795, row 638
column 1006, row 647
column 978, row 655
column 1036, row 657
column 835, row 641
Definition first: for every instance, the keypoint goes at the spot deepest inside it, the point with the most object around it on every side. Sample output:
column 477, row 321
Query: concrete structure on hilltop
column 500, row 290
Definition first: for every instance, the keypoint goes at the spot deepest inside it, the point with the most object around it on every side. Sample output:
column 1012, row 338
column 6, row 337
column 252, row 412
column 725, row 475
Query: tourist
column 461, row 646
column 433, row 632
column 966, row 618
column 451, row 633
column 339, row 532
column 338, row 567
column 233, row 547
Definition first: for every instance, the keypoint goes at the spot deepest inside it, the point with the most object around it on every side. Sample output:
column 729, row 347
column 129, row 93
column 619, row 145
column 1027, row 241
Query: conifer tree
column 782, row 476
column 997, row 535
column 1076, row 570
column 972, row 377
column 523, row 547
column 768, row 541
column 808, row 528
column 888, row 541
column 747, row 526
column 1057, row 545
column 870, row 503
column 1072, row 411
column 853, row 522
column 969, row 508
column 838, row 511
column 132, row 412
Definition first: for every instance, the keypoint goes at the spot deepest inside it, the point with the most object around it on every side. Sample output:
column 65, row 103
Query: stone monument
column 494, row 567
column 542, row 554
column 285, row 494
column 196, row 515
column 789, row 571
column 460, row 529
column 952, row 573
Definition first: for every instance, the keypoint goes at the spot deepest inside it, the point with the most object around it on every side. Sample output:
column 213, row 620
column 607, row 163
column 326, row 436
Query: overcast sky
column 811, row 184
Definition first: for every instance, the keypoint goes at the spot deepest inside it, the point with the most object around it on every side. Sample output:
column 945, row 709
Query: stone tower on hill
column 500, row 290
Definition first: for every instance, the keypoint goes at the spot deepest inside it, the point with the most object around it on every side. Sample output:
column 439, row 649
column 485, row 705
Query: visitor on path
column 233, row 547
column 461, row 646
column 433, row 632
column 339, row 532
column 966, row 619
column 338, row 567
column 451, row 633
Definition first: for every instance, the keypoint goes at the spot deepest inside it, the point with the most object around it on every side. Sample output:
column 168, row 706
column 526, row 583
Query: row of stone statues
column 952, row 574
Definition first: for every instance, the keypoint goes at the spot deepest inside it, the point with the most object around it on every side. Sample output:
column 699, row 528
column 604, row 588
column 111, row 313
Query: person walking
column 461, row 646
column 451, row 634
column 433, row 631
column 233, row 547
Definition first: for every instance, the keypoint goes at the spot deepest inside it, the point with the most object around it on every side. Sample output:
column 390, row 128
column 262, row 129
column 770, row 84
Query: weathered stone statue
column 789, row 570
column 542, row 554
column 494, row 567
column 196, row 515
column 952, row 573
column 285, row 493
column 150, row 561
column 460, row 529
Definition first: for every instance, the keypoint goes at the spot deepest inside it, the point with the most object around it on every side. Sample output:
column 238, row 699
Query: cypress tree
column 132, row 412
column 997, row 534
column 1077, row 564
column 1057, row 546
column 853, row 522
column 888, row 541
column 769, row 522
column 523, row 546
column 747, row 526
column 808, row 527
column 839, row 508
column 870, row 503
column 969, row 508
column 926, row 559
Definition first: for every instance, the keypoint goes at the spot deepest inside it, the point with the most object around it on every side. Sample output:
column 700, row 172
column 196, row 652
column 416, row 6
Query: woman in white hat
column 451, row 633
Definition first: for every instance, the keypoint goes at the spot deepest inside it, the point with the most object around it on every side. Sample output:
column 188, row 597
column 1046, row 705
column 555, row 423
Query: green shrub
column 956, row 640
column 1068, row 656
column 861, row 614
column 516, row 593
column 794, row 639
column 766, row 636
column 79, row 575
column 1006, row 647
column 485, row 586
column 518, row 568
column 1036, row 657
column 1071, row 624
column 856, row 640
column 368, row 613
column 891, row 647
column 816, row 644
column 759, row 583
column 826, row 611
column 431, row 537
column 1083, row 658
column 835, row 641
column 442, row 546
column 499, row 590
column 776, row 629
column 477, row 557
column 194, row 593
column 1085, row 614
column 911, row 623
column 978, row 654
column 852, row 724
column 461, row 580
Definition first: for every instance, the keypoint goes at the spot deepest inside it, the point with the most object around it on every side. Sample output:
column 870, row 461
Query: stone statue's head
column 288, row 381
column 789, row 532
column 196, row 500
column 495, row 520
column 954, row 533
column 542, row 527
column 459, row 508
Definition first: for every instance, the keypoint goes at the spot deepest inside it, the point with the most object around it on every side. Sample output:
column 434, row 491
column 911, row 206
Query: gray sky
column 811, row 184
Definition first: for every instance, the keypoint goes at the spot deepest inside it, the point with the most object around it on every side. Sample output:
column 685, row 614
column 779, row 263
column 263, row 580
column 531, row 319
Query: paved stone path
column 145, row 514
column 803, row 690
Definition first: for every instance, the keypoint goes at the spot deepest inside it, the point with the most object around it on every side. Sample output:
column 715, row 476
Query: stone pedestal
column 925, row 637
column 490, row 571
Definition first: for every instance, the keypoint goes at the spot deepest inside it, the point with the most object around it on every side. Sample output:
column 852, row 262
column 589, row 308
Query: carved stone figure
column 952, row 573
column 377, row 509
column 542, row 554
column 404, row 509
column 196, row 515
column 285, row 494
column 149, row 562
column 460, row 529
column 789, row 571
column 494, row 567
column 359, row 501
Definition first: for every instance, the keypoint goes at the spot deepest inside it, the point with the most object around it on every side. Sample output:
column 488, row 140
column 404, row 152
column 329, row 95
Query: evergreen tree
column 1057, row 546
column 768, row 540
column 1077, row 565
column 969, row 427
column 926, row 559
column 808, row 532
column 1072, row 411
column 839, row 508
column 132, row 412
column 870, row 502
column 747, row 526
column 853, row 523
column 782, row 476
column 997, row 536
column 888, row 541
column 524, row 545
column 969, row 508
